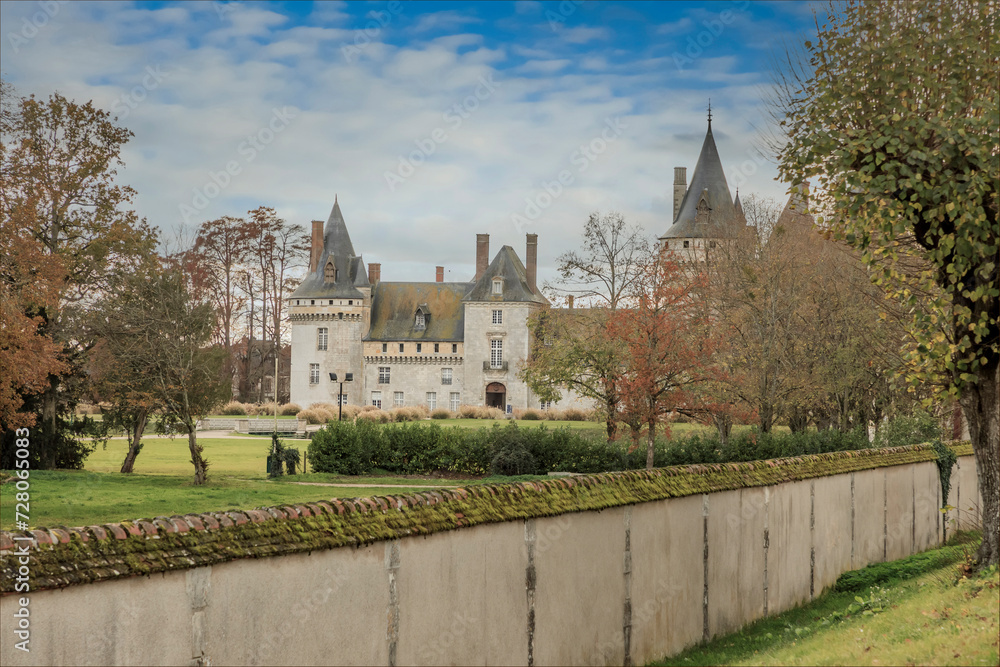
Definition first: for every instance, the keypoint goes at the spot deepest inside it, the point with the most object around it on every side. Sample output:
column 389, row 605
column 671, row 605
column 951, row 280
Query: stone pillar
column 482, row 254
column 317, row 245
column 680, row 187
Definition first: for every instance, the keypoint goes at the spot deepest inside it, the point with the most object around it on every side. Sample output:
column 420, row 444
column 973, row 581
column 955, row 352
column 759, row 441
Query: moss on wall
column 68, row 556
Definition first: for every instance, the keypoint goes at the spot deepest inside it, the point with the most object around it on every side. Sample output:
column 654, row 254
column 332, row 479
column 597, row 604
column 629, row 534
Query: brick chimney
column 680, row 187
column 531, row 260
column 440, row 274
column 570, row 300
column 374, row 272
column 317, row 245
column 482, row 254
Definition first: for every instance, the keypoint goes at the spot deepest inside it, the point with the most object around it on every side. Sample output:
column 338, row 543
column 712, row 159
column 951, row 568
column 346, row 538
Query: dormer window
column 421, row 321
column 498, row 285
column 330, row 272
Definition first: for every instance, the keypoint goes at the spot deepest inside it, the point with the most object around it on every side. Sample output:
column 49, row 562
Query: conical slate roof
column 349, row 269
column 709, row 190
column 506, row 265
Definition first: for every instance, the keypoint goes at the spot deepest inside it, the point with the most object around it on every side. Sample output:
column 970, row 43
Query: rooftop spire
column 709, row 114
column 336, row 239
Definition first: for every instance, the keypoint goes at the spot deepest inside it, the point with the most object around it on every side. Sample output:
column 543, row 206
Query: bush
column 315, row 416
column 234, row 408
column 467, row 411
column 441, row 413
column 262, row 409
column 574, row 415
column 374, row 415
column 908, row 430
column 289, row 409
column 531, row 415
column 350, row 412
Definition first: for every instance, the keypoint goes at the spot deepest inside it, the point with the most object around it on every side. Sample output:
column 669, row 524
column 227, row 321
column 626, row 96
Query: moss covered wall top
column 67, row 556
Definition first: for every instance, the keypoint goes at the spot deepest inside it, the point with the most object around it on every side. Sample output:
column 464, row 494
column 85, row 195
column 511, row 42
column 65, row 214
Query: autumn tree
column 571, row 348
column 58, row 162
column 669, row 342
column 896, row 124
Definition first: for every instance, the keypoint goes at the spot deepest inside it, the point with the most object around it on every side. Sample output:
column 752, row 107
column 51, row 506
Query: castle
column 446, row 344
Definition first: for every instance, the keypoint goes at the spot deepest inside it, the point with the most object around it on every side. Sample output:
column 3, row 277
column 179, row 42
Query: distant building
column 439, row 344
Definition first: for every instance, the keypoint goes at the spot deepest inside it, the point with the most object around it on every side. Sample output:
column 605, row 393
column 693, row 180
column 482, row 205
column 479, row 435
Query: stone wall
column 617, row 568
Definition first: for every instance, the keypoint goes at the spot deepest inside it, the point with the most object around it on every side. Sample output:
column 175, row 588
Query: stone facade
column 435, row 344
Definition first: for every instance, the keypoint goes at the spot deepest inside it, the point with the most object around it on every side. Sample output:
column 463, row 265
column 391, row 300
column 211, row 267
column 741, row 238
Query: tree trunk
column 135, row 441
column 612, row 421
column 200, row 464
column 50, row 404
column 651, row 444
column 724, row 423
column 981, row 405
column 766, row 414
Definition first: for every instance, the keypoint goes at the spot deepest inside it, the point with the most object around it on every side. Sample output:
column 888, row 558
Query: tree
column 59, row 162
column 897, row 126
column 669, row 343
column 156, row 339
column 571, row 349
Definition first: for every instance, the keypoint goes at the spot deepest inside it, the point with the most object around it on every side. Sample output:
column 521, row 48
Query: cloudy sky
column 432, row 121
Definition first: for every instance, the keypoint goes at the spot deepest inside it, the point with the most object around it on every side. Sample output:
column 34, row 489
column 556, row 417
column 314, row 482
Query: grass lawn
column 924, row 620
column 242, row 457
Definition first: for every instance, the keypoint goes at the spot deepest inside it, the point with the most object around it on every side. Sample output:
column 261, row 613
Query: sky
column 429, row 121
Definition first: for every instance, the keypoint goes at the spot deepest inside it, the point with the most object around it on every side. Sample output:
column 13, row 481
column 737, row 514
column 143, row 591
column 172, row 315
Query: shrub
column 315, row 416
column 908, row 430
column 367, row 408
column 574, row 415
column 262, row 409
column 441, row 413
column 289, row 409
column 350, row 412
column 374, row 415
column 467, row 411
column 531, row 415
column 234, row 408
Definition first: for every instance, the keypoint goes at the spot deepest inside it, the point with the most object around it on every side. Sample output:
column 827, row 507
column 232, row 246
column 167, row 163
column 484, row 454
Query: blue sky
column 432, row 121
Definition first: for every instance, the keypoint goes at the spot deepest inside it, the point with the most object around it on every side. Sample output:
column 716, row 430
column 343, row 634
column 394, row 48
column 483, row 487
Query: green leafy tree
column 896, row 124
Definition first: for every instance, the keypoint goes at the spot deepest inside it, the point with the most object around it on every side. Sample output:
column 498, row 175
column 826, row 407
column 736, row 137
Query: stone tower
column 330, row 314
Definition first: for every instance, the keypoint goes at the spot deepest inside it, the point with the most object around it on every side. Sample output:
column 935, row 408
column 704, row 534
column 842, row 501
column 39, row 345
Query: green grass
column 242, row 457
column 80, row 498
column 910, row 612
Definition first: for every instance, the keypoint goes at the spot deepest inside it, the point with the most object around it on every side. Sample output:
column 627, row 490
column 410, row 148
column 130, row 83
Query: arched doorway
column 496, row 395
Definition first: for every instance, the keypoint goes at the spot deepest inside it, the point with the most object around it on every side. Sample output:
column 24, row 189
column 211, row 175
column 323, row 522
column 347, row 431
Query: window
column 340, row 316
column 432, row 400
column 666, row 244
column 687, row 244
column 397, row 399
column 401, row 348
column 420, row 322
column 711, row 244
column 343, row 399
column 377, row 399
column 329, row 273
column 312, row 302
column 445, row 376
column 420, row 347
column 496, row 353
column 322, row 335
column 456, row 399
column 498, row 285
column 546, row 405
column 313, row 373
column 383, row 375
column 385, row 348
column 454, row 348
column 331, row 302
column 350, row 302
column 437, row 348
column 497, row 317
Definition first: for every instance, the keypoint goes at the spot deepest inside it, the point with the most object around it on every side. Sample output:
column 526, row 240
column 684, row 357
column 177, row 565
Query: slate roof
column 708, row 183
column 394, row 309
column 508, row 266
column 796, row 214
column 336, row 245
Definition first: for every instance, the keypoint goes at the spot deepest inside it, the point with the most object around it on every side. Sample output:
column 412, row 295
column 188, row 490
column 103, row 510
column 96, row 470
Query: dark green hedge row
column 415, row 448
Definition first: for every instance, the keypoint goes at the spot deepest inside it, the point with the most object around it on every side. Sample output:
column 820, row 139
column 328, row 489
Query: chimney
column 317, row 245
column 680, row 187
column 374, row 272
column 440, row 274
column 570, row 299
column 482, row 254
column 531, row 260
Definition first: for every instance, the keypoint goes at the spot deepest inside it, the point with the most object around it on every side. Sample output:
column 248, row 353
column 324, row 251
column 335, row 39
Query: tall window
column 385, row 348
column 496, row 353
column 456, row 399
column 445, row 376
column 329, row 273
column 420, row 322
column 498, row 286
column 383, row 375
column 322, row 335
column 420, row 347
column 454, row 348
column 313, row 373
column 432, row 400
column 437, row 348
column 377, row 399
column 343, row 399
column 497, row 317
column 401, row 348
column 397, row 399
